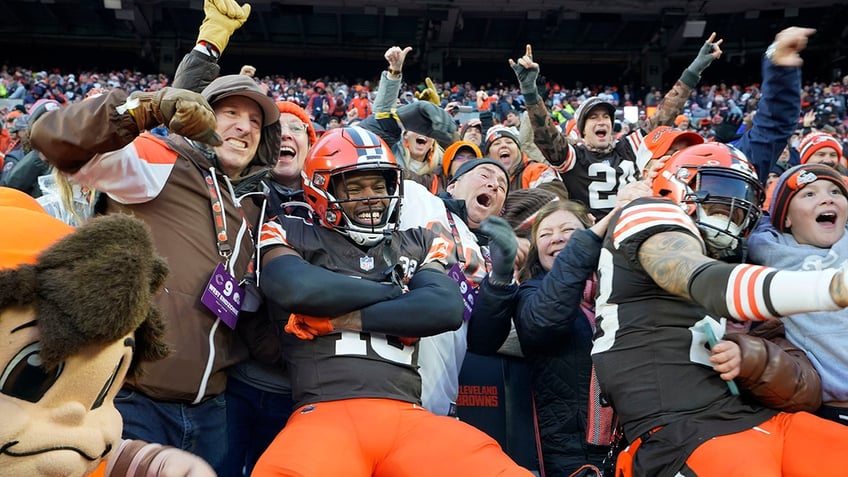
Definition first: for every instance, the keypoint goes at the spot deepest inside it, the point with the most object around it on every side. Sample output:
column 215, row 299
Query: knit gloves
column 503, row 247
column 708, row 52
column 527, row 72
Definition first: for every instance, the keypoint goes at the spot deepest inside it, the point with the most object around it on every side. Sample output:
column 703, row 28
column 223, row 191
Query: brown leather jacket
column 775, row 372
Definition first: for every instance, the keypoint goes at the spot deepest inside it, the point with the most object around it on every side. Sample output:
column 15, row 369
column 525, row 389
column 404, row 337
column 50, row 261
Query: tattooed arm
column 670, row 258
column 674, row 260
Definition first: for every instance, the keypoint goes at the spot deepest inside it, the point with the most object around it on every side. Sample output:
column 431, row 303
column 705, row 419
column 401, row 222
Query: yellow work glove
column 429, row 94
column 223, row 17
column 182, row 111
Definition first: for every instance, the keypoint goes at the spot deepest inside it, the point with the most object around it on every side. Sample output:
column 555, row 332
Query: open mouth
column 287, row 152
column 826, row 218
column 736, row 326
column 421, row 141
column 601, row 133
column 484, row 200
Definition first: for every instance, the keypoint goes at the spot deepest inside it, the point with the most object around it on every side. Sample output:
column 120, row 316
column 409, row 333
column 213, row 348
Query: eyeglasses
column 294, row 127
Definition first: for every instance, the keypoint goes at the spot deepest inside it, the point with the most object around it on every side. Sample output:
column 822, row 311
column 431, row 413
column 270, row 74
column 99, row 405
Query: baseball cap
column 659, row 140
column 241, row 85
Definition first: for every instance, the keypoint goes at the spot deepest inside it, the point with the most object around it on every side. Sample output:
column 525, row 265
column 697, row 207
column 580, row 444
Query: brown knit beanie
column 522, row 206
column 795, row 179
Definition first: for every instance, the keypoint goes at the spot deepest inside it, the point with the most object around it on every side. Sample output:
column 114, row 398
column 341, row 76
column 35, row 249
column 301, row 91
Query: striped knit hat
column 522, row 206
column 794, row 180
column 817, row 140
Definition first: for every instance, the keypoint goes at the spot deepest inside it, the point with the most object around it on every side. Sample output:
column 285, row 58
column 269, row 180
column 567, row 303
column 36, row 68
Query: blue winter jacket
column 777, row 117
column 556, row 338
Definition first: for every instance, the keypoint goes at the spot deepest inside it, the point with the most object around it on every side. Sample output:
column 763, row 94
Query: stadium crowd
column 826, row 100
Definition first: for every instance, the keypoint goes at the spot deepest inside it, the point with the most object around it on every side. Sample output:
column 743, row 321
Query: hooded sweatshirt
column 822, row 335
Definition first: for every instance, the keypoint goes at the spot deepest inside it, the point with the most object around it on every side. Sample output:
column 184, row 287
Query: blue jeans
column 254, row 418
column 200, row 429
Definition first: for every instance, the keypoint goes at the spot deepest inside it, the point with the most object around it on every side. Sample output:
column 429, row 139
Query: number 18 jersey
column 352, row 364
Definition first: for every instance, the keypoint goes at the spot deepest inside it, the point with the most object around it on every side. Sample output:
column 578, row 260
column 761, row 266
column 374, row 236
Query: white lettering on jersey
column 355, row 343
column 606, row 181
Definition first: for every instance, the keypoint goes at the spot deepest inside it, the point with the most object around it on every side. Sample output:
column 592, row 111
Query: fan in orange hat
column 661, row 143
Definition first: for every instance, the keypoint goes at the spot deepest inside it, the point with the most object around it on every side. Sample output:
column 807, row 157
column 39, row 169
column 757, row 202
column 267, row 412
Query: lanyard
column 219, row 218
column 460, row 256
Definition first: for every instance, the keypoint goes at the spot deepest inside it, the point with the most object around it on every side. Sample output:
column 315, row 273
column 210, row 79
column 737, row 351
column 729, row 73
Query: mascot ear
column 27, row 231
column 110, row 265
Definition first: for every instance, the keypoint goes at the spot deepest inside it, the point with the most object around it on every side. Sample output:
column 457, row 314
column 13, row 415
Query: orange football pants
column 381, row 437
column 788, row 444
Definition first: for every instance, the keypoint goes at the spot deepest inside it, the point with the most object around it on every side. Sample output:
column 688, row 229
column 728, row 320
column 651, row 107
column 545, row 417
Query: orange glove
column 408, row 341
column 308, row 327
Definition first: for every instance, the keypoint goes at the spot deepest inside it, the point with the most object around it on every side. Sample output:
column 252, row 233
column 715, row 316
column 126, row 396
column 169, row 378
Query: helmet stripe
column 367, row 143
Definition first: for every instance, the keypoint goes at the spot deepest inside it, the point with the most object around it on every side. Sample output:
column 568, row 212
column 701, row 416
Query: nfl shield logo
column 366, row 264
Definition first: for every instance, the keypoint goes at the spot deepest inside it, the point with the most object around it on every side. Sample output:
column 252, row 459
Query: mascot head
column 75, row 319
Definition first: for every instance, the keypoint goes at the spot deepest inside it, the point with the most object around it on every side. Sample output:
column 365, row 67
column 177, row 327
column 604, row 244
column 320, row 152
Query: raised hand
column 527, row 71
column 395, row 56
column 183, row 112
column 711, row 50
column 430, row 93
column 248, row 70
column 223, row 18
column 788, row 43
column 503, row 247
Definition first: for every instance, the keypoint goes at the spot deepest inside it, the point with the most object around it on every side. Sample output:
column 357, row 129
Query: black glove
column 727, row 130
column 502, row 247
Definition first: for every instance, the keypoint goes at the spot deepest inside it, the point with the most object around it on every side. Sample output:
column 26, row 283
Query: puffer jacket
column 776, row 373
column 556, row 338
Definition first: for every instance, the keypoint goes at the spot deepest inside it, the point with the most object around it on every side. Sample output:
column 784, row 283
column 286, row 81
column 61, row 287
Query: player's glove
column 308, row 327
